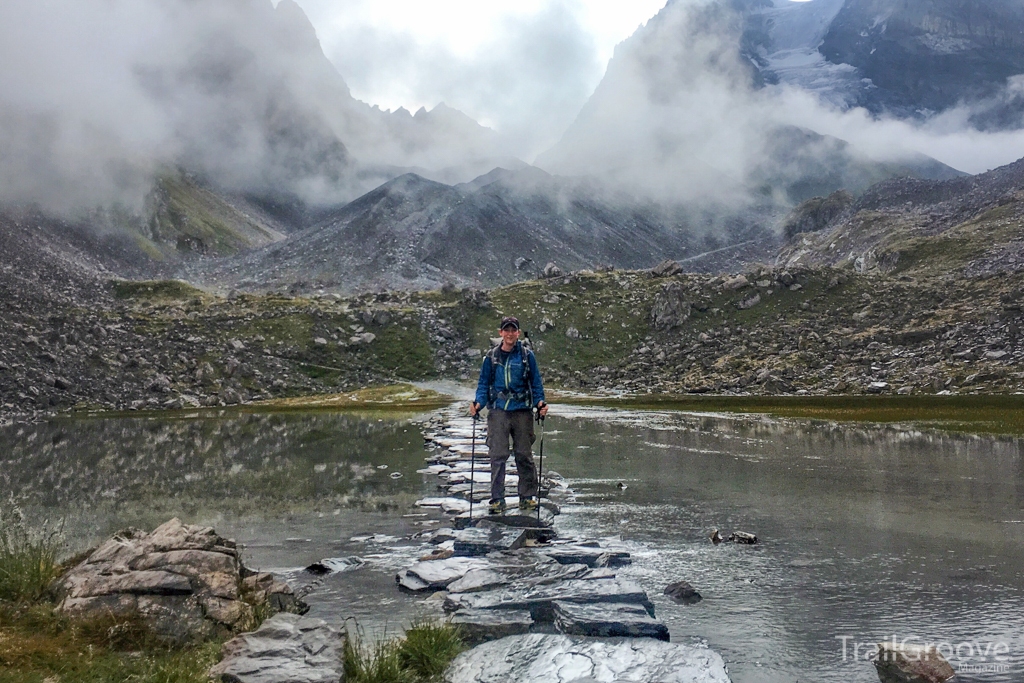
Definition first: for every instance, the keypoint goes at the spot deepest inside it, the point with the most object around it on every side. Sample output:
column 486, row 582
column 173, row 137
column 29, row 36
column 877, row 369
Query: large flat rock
column 540, row 599
column 512, row 517
column 480, row 626
column 435, row 575
column 565, row 659
column 285, row 649
column 608, row 621
column 488, row 538
column 590, row 555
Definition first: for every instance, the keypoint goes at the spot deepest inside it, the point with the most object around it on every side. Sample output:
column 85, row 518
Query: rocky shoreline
column 816, row 332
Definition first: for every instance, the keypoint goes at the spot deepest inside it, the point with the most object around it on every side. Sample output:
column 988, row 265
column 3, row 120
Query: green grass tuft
column 28, row 557
column 429, row 647
column 421, row 657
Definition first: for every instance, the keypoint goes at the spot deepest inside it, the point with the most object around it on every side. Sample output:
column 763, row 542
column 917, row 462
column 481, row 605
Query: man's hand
column 542, row 409
column 474, row 408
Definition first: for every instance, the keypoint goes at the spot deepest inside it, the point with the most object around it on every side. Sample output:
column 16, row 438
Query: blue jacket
column 504, row 387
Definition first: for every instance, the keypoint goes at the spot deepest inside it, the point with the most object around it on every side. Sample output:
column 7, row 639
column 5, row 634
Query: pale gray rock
column 667, row 268
column 435, row 575
column 184, row 580
column 512, row 517
column 608, row 621
column 287, row 648
column 478, row 580
column 565, row 659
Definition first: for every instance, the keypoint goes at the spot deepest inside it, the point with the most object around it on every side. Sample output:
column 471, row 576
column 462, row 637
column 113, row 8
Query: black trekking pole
column 472, row 467
column 540, row 470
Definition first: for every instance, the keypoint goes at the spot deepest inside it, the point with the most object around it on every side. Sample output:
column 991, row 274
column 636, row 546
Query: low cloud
column 678, row 116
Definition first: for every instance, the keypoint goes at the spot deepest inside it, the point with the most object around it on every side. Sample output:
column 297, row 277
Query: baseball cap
column 509, row 320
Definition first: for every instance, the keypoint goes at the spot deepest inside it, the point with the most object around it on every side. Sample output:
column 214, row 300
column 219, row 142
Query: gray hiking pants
column 517, row 424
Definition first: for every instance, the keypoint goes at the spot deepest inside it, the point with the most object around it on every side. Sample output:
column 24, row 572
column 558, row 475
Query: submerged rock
column 185, row 581
column 911, row 664
column 683, row 593
column 286, row 648
column 565, row 659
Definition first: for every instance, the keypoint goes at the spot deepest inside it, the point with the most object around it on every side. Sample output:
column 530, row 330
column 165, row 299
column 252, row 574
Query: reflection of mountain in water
column 237, row 463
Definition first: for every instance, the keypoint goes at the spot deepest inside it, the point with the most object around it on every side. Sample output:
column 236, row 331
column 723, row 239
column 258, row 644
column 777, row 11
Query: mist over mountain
column 696, row 102
column 414, row 233
column 98, row 99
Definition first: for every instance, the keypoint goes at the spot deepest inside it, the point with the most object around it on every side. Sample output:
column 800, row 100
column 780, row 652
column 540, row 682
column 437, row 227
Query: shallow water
column 866, row 532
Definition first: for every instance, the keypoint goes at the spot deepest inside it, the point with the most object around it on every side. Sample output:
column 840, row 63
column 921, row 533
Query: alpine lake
column 867, row 532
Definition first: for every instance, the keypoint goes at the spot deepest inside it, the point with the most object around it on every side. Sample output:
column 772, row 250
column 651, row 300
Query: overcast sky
column 522, row 67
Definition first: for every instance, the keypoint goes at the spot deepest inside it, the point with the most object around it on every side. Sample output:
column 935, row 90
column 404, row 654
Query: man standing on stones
column 510, row 387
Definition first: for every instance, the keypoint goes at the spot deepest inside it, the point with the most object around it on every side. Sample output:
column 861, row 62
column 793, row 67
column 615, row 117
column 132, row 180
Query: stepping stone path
column 510, row 574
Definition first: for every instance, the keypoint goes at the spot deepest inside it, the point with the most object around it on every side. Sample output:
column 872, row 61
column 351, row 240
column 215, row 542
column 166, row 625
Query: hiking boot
column 528, row 504
column 496, row 507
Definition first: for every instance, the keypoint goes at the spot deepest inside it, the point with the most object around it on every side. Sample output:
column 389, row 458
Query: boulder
column 738, row 282
column 551, row 270
column 187, row 582
column 911, row 664
column 666, row 268
column 286, row 648
column 683, row 593
column 749, row 302
column 671, row 308
column 567, row 659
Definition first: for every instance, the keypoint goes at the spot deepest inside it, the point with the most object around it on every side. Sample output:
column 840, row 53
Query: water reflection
column 867, row 532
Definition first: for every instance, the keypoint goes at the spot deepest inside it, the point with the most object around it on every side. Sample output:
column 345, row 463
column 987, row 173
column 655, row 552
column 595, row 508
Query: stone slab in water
column 479, row 626
column 435, row 575
column 512, row 517
column 488, row 538
column 608, row 621
column 479, row 580
column 541, row 598
column 567, row 659
column 287, row 648
column 588, row 555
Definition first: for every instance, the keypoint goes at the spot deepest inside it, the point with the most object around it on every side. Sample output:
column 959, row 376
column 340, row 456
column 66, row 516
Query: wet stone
column 511, row 517
column 588, row 555
column 540, row 599
column 569, row 659
column 608, row 621
column 479, row 626
column 435, row 575
column 487, row 538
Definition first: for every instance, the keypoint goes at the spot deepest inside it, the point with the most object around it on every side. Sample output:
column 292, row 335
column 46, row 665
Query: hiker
column 510, row 387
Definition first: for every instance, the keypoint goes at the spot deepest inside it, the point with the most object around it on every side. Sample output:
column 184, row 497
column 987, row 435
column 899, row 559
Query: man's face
column 510, row 335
